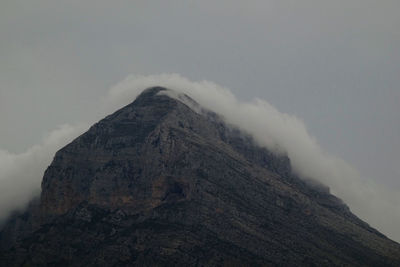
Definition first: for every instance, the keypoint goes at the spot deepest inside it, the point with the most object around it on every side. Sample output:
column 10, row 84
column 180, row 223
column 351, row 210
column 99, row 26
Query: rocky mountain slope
column 158, row 184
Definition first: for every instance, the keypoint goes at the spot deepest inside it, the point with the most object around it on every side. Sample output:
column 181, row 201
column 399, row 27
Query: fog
column 332, row 63
column 21, row 174
column 283, row 133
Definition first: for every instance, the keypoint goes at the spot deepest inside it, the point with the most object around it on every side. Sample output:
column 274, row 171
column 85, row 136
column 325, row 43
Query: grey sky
column 335, row 64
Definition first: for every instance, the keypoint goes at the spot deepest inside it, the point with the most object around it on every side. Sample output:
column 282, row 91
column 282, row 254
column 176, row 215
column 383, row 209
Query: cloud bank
column 20, row 175
column 283, row 133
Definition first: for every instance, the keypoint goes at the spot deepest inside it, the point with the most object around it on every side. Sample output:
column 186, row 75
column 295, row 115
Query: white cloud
column 378, row 205
column 21, row 174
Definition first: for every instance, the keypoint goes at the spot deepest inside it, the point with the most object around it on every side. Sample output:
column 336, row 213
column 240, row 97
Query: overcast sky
column 334, row 64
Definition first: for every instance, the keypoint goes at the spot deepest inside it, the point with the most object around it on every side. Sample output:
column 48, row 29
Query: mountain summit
column 162, row 182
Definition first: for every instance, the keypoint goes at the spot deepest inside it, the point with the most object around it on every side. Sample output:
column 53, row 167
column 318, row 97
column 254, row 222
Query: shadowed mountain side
column 157, row 183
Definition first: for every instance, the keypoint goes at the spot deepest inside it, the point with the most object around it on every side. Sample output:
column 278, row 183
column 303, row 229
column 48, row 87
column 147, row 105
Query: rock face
column 158, row 184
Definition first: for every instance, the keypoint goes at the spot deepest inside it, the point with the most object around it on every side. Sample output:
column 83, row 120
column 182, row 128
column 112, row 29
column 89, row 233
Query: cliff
column 159, row 184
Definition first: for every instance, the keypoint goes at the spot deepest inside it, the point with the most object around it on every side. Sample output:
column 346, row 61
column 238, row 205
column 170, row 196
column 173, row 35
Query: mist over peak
column 279, row 132
column 282, row 133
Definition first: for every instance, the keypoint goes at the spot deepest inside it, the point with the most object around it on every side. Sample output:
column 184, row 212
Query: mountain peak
column 156, row 183
column 151, row 91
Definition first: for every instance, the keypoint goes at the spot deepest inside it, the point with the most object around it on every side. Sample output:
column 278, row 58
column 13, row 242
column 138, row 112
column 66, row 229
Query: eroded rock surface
column 157, row 184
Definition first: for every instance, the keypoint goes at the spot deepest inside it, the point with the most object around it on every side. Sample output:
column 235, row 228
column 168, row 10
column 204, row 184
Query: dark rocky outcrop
column 157, row 184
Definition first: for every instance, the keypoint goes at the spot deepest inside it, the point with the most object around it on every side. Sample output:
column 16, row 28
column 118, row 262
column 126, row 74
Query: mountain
column 159, row 183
